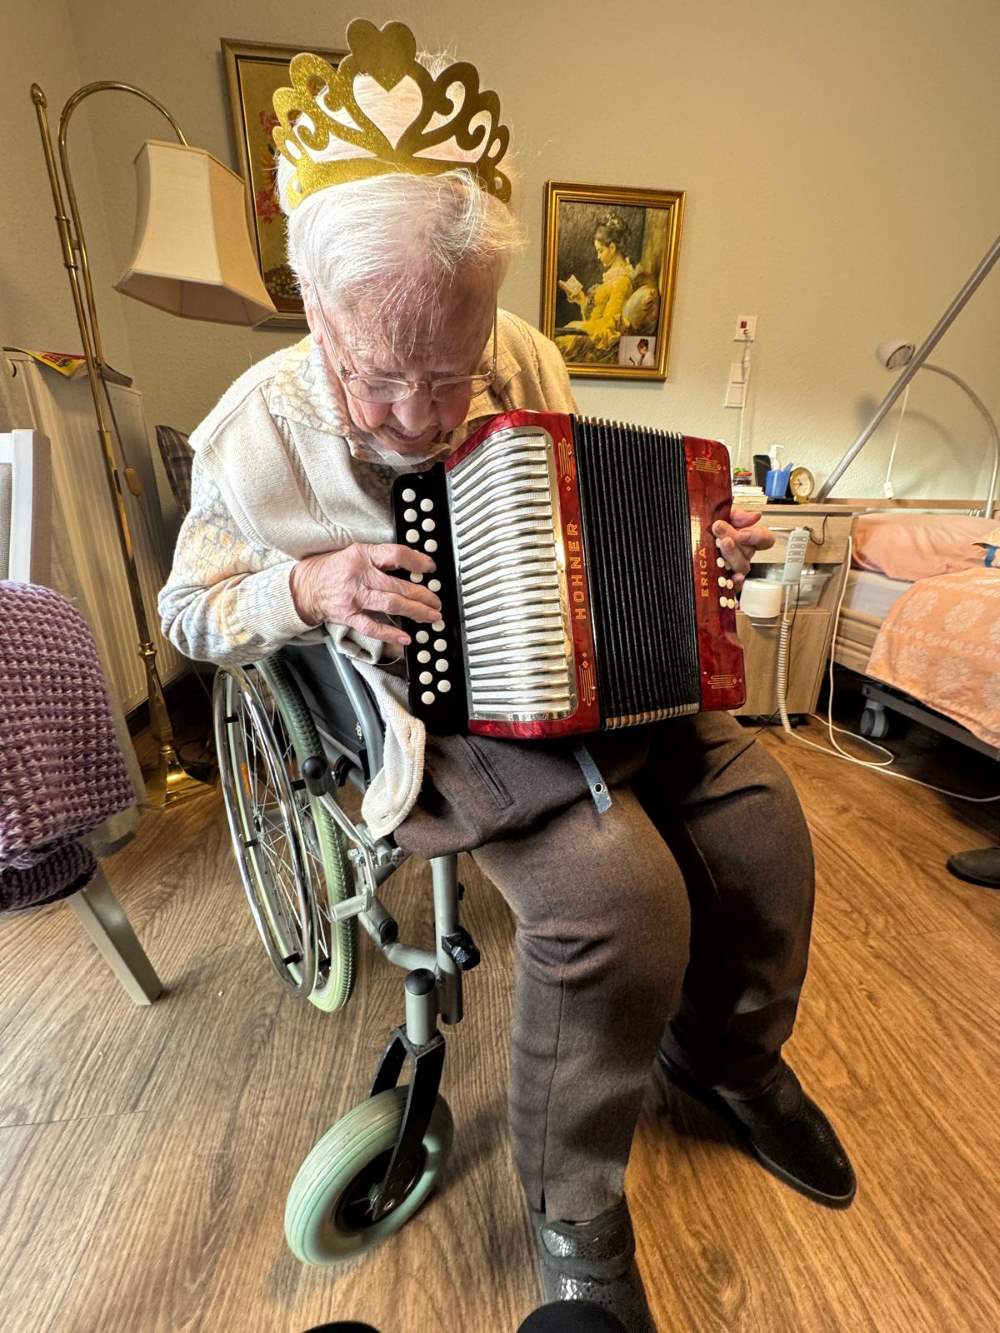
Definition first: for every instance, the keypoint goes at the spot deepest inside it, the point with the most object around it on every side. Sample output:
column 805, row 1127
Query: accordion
column 581, row 589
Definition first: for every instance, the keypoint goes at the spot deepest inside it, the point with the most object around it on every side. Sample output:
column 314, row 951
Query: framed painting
column 608, row 277
column 254, row 71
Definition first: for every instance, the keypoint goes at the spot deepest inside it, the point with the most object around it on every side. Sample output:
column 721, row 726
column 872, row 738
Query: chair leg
column 105, row 922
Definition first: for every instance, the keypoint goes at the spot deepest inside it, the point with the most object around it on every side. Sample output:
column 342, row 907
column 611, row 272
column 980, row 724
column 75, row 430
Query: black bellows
column 637, row 533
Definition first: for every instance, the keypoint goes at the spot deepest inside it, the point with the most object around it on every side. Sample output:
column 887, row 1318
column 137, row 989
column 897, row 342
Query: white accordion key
column 444, row 686
column 423, row 656
column 430, row 545
column 426, row 505
column 440, row 645
column 437, row 626
column 410, row 516
column 428, row 525
column 412, row 535
column 409, row 496
column 427, row 697
column 426, row 677
column 435, row 585
column 422, row 636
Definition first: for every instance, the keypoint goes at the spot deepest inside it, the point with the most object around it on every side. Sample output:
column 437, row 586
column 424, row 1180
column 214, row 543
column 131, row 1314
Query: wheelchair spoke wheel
column 328, row 1217
column 330, row 873
column 288, row 847
column 266, row 828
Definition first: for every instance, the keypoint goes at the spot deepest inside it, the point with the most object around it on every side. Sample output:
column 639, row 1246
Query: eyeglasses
column 385, row 389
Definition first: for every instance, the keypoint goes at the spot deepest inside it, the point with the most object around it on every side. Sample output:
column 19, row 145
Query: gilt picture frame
column 254, row 70
column 608, row 277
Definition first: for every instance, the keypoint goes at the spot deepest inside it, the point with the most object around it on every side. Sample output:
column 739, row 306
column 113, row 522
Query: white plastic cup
column 761, row 599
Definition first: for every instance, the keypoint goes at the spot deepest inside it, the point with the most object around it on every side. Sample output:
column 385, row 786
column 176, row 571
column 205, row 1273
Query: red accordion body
column 581, row 586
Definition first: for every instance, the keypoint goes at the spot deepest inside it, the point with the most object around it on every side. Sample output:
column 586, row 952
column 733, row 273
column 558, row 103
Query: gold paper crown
column 308, row 116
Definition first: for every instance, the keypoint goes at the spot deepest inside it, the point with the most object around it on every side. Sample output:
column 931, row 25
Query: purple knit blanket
column 61, row 771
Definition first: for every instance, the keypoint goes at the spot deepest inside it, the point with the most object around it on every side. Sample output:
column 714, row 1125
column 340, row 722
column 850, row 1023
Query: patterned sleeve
column 228, row 600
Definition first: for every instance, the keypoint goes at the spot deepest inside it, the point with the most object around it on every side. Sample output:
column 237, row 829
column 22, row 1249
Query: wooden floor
column 145, row 1153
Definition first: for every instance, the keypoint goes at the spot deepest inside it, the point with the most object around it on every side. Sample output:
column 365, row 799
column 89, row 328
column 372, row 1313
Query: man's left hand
column 740, row 538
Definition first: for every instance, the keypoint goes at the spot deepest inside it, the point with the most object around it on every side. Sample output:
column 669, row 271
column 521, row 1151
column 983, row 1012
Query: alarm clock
column 801, row 485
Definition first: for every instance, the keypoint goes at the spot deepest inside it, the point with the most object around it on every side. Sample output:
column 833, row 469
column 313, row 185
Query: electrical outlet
column 746, row 329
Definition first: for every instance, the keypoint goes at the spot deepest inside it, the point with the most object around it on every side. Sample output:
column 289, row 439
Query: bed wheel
column 874, row 722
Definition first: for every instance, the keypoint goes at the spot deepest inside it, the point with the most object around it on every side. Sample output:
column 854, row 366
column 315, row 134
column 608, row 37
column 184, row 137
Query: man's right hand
column 345, row 587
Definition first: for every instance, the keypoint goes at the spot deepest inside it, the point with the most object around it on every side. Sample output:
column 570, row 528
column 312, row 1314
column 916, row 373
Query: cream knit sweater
column 275, row 480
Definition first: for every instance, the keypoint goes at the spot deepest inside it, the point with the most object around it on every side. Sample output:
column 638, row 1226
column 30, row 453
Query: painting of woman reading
column 609, row 272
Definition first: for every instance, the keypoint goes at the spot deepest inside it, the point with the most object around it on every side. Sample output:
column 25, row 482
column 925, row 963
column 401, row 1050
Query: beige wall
column 840, row 162
column 37, row 45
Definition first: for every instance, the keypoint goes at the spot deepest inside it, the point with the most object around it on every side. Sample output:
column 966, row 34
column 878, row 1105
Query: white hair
column 399, row 239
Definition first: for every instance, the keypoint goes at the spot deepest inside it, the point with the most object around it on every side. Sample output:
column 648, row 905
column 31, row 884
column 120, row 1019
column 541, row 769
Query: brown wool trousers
column 682, row 915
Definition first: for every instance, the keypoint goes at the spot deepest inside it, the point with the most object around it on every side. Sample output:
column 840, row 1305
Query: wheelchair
column 290, row 731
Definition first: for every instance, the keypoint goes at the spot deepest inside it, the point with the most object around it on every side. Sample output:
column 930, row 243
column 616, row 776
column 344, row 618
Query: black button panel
column 434, row 663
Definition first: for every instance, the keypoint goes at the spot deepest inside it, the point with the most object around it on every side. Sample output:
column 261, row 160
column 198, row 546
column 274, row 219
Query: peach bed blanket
column 940, row 643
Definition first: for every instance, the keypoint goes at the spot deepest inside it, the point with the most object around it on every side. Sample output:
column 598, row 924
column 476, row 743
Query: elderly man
column 676, row 923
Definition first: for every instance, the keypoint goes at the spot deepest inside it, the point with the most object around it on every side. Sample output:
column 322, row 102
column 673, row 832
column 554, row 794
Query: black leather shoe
column 593, row 1261
column 981, row 866
column 785, row 1130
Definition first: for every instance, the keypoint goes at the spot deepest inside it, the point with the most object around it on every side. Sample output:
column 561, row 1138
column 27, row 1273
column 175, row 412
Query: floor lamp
column 911, row 365
column 192, row 257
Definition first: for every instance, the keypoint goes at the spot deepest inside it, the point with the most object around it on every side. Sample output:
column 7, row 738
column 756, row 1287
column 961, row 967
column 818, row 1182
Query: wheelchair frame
column 433, row 982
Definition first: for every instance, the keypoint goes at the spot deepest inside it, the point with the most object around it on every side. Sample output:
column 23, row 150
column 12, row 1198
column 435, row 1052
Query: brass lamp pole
column 193, row 258
column 171, row 782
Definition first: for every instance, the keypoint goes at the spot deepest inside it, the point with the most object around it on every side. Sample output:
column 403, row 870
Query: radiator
column 87, row 563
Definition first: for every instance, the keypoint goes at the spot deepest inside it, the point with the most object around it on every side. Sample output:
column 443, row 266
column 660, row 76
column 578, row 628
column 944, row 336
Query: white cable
column 887, row 484
column 781, row 687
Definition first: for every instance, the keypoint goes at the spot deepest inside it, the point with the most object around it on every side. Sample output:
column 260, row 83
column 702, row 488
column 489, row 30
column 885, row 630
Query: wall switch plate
column 735, row 394
column 746, row 329
column 737, row 372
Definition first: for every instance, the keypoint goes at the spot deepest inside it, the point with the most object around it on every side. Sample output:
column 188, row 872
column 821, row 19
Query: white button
column 412, row 535
column 440, row 645
column 427, row 697
column 724, row 601
column 416, row 578
column 437, row 626
column 430, row 545
column 444, row 686
column 428, row 525
column 441, row 664
column 722, row 581
column 409, row 495
column 422, row 636
column 426, row 677
column 730, row 583
column 435, row 585
column 423, row 657
column 427, row 505
column 410, row 515
column 719, row 561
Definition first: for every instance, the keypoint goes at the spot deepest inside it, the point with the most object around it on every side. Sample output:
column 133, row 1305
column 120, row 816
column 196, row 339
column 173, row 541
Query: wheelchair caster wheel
column 328, row 1214
column 874, row 723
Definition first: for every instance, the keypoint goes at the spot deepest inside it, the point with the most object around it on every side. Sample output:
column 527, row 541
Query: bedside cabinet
column 812, row 635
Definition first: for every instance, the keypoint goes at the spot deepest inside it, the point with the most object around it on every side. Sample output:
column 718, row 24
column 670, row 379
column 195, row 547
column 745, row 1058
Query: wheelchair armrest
column 363, row 703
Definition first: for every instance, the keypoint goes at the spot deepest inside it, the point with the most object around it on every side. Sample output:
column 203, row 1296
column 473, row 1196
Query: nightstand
column 811, row 639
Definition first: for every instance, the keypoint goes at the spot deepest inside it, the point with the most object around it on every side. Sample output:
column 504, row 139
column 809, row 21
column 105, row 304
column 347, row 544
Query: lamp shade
column 192, row 253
